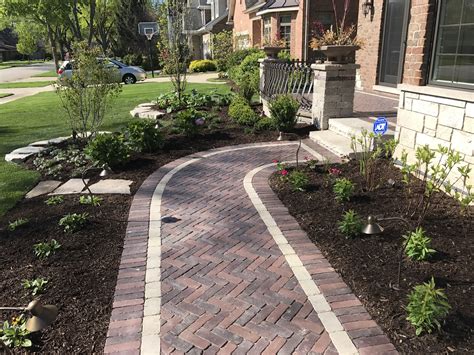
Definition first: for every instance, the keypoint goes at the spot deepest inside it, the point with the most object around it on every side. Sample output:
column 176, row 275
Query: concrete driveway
column 19, row 73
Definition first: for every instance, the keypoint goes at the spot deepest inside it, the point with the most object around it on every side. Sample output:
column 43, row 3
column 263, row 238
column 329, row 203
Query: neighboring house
column 424, row 50
column 206, row 18
column 8, row 42
column 257, row 22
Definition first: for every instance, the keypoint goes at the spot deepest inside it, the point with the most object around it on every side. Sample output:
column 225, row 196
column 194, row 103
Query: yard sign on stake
column 380, row 126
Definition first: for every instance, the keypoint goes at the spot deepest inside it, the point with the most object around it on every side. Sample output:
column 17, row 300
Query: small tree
column 222, row 48
column 28, row 36
column 87, row 95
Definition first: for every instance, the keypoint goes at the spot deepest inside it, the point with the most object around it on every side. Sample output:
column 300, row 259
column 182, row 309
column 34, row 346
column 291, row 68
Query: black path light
column 372, row 227
column 41, row 316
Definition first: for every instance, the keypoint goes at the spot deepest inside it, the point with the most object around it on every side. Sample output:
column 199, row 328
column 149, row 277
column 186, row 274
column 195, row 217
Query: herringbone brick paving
column 225, row 285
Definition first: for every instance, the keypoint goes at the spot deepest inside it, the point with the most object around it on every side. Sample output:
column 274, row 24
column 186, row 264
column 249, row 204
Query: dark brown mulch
column 82, row 274
column 368, row 264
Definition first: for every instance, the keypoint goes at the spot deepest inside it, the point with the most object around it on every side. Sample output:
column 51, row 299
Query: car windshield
column 116, row 62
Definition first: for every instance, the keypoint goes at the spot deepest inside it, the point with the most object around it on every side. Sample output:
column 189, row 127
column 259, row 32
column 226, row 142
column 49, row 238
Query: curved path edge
column 134, row 326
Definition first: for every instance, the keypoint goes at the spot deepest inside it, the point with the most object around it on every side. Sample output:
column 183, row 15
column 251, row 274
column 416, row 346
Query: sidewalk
column 214, row 263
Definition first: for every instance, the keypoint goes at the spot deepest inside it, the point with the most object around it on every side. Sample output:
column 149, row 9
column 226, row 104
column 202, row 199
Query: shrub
column 87, row 95
column 427, row 306
column 189, row 122
column 17, row 223
column 417, row 245
column 36, row 286
column 108, row 149
column 90, row 200
column 241, row 112
column 368, row 150
column 133, row 59
column 15, row 335
column 298, row 180
column 143, row 136
column 284, row 55
column 283, row 110
column 344, row 189
column 248, row 85
column 265, row 124
column 199, row 66
column 237, row 57
column 44, row 250
column 54, row 200
column 171, row 103
column 351, row 224
column 72, row 222
column 222, row 46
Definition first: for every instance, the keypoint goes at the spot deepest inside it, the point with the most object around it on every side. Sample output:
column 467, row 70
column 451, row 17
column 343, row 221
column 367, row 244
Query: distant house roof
column 279, row 5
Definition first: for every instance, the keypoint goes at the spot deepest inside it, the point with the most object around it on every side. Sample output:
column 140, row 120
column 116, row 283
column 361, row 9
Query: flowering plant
column 311, row 162
column 276, row 41
column 334, row 172
column 281, row 169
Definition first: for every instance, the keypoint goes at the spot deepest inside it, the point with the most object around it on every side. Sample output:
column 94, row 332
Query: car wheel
column 129, row 79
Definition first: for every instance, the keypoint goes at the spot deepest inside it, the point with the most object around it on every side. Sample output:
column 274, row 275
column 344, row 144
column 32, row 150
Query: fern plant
column 427, row 306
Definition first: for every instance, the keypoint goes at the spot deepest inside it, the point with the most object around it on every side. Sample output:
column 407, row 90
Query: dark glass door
column 393, row 45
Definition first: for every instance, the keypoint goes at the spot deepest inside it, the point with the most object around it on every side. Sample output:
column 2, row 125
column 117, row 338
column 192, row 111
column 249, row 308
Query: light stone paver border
column 333, row 326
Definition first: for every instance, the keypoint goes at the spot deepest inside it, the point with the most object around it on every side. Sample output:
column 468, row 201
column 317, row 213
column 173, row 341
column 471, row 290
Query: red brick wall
column 420, row 33
column 370, row 33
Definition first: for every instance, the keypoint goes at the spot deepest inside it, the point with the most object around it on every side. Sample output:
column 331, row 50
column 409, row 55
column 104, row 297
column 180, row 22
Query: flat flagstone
column 146, row 110
column 111, row 186
column 21, row 154
column 43, row 188
column 72, row 186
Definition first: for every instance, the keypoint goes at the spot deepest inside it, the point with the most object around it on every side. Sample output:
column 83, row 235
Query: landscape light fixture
column 372, row 227
column 106, row 171
column 41, row 316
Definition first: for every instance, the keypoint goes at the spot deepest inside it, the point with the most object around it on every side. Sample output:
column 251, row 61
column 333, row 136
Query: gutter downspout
column 305, row 31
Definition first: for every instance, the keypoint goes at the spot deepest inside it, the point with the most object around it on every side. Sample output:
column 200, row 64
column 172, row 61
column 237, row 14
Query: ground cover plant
column 369, row 264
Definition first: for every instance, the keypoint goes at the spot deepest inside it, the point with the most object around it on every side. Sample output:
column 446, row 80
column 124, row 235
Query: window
column 285, row 28
column 267, row 30
column 453, row 62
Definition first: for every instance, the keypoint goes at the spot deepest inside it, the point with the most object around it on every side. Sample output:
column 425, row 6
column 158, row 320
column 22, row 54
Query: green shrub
column 427, row 306
column 189, row 122
column 17, row 223
column 222, row 46
column 90, row 200
column 133, row 59
column 143, row 136
column 265, row 124
column 108, row 149
column 72, row 222
column 199, row 66
column 417, row 245
column 298, row 180
column 351, row 224
column 239, row 55
column 248, row 85
column 36, row 286
column 15, row 335
column 344, row 189
column 54, row 200
column 44, row 250
column 284, row 55
column 283, row 110
column 241, row 112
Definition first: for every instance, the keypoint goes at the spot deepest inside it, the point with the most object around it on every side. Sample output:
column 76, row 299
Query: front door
column 393, row 45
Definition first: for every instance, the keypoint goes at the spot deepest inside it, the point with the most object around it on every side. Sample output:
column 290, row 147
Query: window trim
column 265, row 26
column 285, row 24
column 432, row 81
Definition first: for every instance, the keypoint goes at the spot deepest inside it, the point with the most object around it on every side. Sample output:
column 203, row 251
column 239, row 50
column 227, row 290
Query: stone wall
column 436, row 116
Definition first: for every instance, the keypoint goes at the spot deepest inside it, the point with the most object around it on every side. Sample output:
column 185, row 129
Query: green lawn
column 40, row 117
column 5, row 67
column 20, row 63
column 32, row 84
column 48, row 74
column 5, row 94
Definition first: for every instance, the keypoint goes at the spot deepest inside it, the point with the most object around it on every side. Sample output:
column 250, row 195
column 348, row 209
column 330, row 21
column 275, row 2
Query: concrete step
column 334, row 142
column 349, row 127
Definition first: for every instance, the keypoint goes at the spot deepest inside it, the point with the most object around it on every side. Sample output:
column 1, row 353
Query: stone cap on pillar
column 334, row 66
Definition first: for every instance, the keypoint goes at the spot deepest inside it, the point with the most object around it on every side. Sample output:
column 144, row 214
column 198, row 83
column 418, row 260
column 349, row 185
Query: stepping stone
column 21, row 154
column 145, row 110
column 111, row 186
column 72, row 186
column 43, row 188
column 49, row 141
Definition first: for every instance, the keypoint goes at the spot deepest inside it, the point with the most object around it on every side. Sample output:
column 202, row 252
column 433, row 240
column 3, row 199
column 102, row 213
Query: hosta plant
column 427, row 307
column 351, row 224
column 54, row 200
column 73, row 222
column 343, row 188
column 44, row 250
column 417, row 245
column 17, row 223
column 15, row 334
column 36, row 286
column 90, row 200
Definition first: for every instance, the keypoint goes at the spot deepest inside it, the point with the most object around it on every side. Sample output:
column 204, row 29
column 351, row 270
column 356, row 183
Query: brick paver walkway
column 213, row 263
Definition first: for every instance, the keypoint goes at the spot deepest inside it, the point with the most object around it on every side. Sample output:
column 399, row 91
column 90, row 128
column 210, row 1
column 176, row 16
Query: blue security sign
column 380, row 126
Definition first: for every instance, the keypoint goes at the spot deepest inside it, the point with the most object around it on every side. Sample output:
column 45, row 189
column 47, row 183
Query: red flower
column 284, row 172
column 334, row 171
column 275, row 161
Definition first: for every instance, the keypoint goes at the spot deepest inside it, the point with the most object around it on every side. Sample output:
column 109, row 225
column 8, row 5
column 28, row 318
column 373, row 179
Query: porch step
column 349, row 127
column 338, row 138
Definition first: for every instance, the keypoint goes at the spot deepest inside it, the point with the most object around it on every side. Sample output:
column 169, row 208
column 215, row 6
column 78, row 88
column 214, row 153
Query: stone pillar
column 333, row 92
column 264, row 102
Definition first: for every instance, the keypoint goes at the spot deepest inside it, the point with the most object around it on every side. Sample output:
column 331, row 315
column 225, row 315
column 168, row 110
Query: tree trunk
column 53, row 46
column 91, row 21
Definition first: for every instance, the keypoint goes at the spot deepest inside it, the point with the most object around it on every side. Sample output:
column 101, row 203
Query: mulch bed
column 368, row 264
column 82, row 274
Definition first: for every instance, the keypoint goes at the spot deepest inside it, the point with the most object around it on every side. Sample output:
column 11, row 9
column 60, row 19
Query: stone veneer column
column 333, row 92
